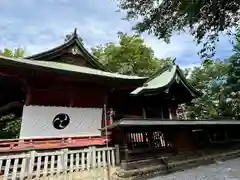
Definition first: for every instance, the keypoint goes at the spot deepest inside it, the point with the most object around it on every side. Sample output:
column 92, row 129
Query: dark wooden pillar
column 144, row 138
column 28, row 95
column 150, row 139
column 226, row 134
column 123, row 146
column 71, row 94
column 182, row 140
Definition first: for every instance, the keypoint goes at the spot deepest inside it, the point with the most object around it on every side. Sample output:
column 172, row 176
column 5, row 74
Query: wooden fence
column 42, row 164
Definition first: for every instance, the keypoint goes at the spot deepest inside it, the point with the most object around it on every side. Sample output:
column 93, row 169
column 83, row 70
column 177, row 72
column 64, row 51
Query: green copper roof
column 63, row 67
column 159, row 81
column 163, row 79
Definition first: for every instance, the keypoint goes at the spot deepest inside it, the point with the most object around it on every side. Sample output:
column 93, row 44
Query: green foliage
column 231, row 94
column 19, row 52
column 205, row 19
column 234, row 68
column 220, row 82
column 209, row 79
column 130, row 56
column 10, row 126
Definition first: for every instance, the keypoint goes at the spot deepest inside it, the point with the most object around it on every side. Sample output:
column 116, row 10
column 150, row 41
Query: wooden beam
column 28, row 96
column 11, row 108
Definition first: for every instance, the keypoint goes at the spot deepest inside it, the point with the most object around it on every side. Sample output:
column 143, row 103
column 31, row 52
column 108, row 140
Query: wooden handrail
column 64, row 142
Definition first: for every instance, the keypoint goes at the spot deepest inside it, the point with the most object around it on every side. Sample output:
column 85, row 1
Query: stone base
column 156, row 170
column 131, row 165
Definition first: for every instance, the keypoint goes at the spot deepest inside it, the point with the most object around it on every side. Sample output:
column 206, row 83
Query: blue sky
column 38, row 25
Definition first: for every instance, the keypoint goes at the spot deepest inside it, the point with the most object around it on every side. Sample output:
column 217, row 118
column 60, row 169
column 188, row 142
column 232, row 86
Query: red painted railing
column 49, row 143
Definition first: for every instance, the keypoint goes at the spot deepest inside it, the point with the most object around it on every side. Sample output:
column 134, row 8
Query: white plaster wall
column 37, row 122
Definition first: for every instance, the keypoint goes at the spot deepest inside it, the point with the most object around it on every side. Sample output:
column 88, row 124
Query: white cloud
column 40, row 25
column 179, row 44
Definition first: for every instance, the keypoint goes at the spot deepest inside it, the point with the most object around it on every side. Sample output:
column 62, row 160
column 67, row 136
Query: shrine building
column 68, row 93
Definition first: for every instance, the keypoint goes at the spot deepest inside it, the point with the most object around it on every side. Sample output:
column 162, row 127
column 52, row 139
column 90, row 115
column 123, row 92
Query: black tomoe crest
column 61, row 121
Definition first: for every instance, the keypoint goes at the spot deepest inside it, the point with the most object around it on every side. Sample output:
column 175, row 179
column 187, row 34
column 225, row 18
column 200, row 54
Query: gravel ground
column 228, row 170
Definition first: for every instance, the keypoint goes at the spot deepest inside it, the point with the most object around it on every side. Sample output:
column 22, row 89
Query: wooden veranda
column 155, row 140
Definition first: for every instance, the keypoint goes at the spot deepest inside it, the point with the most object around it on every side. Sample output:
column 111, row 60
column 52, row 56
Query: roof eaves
column 178, row 73
column 74, row 40
column 174, row 122
column 52, row 51
column 93, row 60
column 158, row 72
column 15, row 62
column 144, row 88
column 187, row 85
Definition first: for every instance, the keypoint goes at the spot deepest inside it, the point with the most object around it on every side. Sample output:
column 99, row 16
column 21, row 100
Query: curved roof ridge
column 37, row 55
column 186, row 82
column 164, row 78
column 158, row 72
column 73, row 40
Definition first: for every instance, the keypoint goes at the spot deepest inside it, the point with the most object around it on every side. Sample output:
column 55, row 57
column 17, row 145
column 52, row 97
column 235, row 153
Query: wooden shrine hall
column 70, row 100
column 154, row 129
column 61, row 94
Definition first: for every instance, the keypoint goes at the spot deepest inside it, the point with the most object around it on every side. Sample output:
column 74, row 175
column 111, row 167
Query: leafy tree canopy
column 208, row 78
column 220, row 82
column 231, row 93
column 19, row 52
column 205, row 19
column 234, row 67
column 130, row 56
